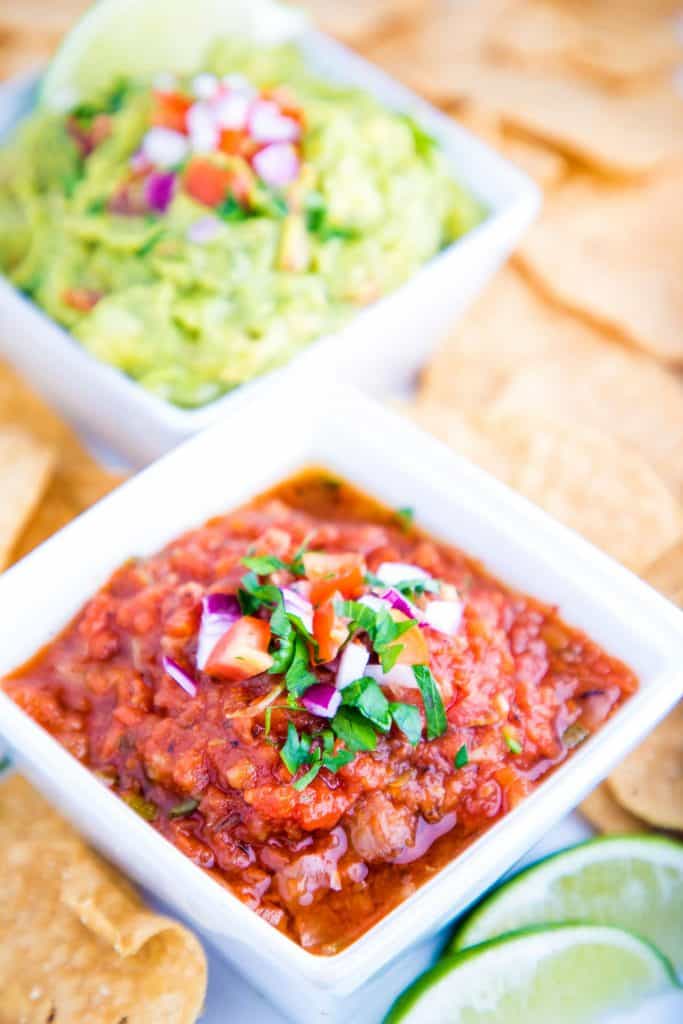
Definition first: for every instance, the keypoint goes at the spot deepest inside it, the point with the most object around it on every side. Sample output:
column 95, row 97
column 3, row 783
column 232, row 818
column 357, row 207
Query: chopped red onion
column 204, row 230
column 159, row 189
column 425, row 835
column 179, row 675
column 139, row 163
column 322, row 699
column 278, row 164
column 392, row 573
column 399, row 675
column 444, row 616
column 352, row 664
column 267, row 123
column 402, row 604
column 219, row 613
column 297, row 605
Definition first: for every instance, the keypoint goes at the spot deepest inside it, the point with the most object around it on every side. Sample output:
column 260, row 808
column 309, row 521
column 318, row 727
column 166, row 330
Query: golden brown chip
column 76, row 943
column 26, row 466
column 605, row 814
column 617, row 46
column 515, row 351
column 666, row 574
column 584, row 478
column 613, row 255
column 649, row 783
column 78, row 480
column 357, row 22
column 545, row 166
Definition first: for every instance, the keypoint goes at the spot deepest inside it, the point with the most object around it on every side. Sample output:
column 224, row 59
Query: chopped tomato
column 207, row 182
column 82, row 299
column 170, row 110
column 329, row 631
column 286, row 101
column 415, row 650
column 237, row 144
column 334, row 573
column 242, row 652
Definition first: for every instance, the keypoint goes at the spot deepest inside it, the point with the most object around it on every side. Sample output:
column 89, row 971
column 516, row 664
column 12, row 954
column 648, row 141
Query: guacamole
column 195, row 232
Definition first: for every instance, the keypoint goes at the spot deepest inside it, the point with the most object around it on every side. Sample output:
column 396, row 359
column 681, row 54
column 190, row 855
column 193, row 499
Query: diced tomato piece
column 329, row 631
column 334, row 573
column 170, row 110
column 415, row 649
column 237, row 144
column 207, row 182
column 82, row 299
column 242, row 652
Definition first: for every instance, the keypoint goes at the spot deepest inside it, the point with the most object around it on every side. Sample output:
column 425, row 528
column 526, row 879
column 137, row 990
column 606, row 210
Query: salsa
column 196, row 231
column 317, row 703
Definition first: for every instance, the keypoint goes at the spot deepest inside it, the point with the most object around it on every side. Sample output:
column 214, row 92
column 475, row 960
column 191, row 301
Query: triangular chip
column 26, row 466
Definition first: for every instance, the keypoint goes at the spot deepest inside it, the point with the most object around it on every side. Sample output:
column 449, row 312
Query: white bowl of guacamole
column 196, row 232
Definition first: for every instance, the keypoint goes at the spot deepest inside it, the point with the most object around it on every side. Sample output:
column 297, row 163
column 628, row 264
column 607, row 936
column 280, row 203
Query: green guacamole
column 192, row 260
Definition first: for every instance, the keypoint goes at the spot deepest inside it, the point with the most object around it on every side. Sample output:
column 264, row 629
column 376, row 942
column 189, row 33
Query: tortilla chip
column 616, row 46
column 605, row 814
column 515, row 351
column 544, row 165
column 666, row 575
column 581, row 476
column 649, row 783
column 613, row 255
column 77, row 943
column 26, row 466
column 78, row 480
column 357, row 22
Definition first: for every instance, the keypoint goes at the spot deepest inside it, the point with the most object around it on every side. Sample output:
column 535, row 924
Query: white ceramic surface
column 262, row 438
column 381, row 348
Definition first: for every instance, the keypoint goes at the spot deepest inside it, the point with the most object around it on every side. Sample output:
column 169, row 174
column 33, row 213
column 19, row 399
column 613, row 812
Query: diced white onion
column 205, row 85
column 444, row 616
column 238, row 83
column 164, row 148
column 392, row 573
column 399, row 675
column 278, row 165
column 352, row 664
column 268, row 124
column 203, row 129
column 231, row 111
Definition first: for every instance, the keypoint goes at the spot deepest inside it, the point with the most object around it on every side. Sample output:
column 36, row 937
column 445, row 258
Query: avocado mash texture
column 198, row 232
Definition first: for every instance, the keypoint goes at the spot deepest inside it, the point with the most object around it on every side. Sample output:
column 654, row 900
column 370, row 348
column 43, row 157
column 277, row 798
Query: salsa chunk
column 317, row 703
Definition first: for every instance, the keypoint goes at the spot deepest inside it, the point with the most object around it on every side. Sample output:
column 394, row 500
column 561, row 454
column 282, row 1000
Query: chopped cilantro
column 184, row 808
column 354, row 730
column 297, row 749
column 367, row 696
column 298, row 676
column 308, row 776
column 408, row 720
column 299, row 752
column 435, row 713
column 406, row 516
column 145, row 808
column 511, row 740
column 231, row 210
column 317, row 221
column 382, row 629
column 462, row 757
column 336, row 761
column 263, row 565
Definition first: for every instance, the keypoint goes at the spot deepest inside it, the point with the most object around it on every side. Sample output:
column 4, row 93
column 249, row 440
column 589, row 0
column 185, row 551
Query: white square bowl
column 381, row 348
column 261, row 439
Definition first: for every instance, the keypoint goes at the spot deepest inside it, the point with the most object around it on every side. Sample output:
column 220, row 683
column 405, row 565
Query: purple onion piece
column 159, row 189
column 179, row 675
column 402, row 604
column 204, row 230
column 322, row 699
column 297, row 605
column 219, row 613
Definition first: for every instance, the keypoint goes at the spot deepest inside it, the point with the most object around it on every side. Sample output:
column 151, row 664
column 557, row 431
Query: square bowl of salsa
column 180, row 237
column 317, row 682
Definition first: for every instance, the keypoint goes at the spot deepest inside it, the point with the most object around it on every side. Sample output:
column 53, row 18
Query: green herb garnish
column 511, row 741
column 382, row 629
column 367, row 696
column 354, row 730
column 145, row 808
column 462, row 757
column 408, row 720
column 435, row 713
column 406, row 516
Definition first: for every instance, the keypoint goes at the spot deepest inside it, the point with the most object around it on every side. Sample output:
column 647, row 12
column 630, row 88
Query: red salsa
column 317, row 703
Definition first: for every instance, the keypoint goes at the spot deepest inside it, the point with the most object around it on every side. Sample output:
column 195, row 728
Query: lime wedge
column 567, row 974
column 632, row 882
column 119, row 38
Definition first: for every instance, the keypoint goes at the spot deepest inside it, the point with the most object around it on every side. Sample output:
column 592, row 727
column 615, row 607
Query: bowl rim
column 421, row 461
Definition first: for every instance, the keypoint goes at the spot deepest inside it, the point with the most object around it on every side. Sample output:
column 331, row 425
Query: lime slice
column 567, row 974
column 118, row 38
column 632, row 882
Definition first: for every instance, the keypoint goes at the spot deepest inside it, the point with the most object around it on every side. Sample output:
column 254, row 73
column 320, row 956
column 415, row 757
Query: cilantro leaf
column 308, row 777
column 298, row 676
column 405, row 516
column 296, row 750
column 367, row 696
column 462, row 757
column 253, row 595
column 354, row 730
column 333, row 762
column 184, row 808
column 408, row 720
column 263, row 565
column 435, row 713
